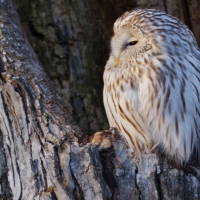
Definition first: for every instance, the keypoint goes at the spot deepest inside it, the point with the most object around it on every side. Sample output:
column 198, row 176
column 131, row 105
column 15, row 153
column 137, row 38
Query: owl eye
column 132, row 43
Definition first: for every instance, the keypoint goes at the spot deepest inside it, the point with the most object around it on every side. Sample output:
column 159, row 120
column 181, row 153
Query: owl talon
column 102, row 140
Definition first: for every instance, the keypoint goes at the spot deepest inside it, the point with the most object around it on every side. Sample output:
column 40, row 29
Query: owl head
column 150, row 31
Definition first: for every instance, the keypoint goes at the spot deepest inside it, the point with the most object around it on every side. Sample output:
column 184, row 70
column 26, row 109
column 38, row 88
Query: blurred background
column 71, row 39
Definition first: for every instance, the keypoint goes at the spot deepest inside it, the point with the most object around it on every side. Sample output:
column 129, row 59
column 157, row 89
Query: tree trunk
column 41, row 156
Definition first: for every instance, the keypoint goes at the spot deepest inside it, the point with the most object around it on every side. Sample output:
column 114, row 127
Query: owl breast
column 123, row 105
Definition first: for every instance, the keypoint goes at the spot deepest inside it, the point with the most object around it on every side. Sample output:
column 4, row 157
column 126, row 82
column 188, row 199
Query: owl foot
column 102, row 139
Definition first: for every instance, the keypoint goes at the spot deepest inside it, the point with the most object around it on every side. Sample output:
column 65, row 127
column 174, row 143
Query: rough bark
column 67, row 37
column 151, row 177
column 36, row 130
column 40, row 152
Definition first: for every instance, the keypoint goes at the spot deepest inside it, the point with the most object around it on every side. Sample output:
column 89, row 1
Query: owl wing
column 170, row 104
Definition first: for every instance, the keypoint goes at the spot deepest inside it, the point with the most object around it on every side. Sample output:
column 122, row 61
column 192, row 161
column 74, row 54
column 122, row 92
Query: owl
column 152, row 84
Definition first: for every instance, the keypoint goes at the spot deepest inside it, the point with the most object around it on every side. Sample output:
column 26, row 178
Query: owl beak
column 117, row 60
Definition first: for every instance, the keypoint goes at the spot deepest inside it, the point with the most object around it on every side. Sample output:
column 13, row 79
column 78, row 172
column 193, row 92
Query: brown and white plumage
column 151, row 83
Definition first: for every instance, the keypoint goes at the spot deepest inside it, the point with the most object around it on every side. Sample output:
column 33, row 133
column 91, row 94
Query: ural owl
column 152, row 84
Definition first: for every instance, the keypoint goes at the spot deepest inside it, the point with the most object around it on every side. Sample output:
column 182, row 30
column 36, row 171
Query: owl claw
column 102, row 140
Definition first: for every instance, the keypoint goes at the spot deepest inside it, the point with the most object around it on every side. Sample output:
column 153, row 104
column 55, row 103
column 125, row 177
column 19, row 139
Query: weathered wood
column 150, row 177
column 86, row 167
column 36, row 130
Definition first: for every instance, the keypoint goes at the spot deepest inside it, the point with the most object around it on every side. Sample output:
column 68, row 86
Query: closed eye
column 132, row 43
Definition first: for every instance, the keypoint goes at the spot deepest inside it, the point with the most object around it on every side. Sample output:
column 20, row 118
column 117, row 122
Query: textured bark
column 151, row 177
column 36, row 130
column 67, row 38
column 40, row 152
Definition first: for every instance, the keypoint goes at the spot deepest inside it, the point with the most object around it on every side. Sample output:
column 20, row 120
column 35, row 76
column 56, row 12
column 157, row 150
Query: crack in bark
column 107, row 161
column 44, row 175
column 18, row 170
column 11, row 162
column 7, row 115
column 78, row 192
column 34, row 31
column 58, row 170
column 158, row 185
column 136, row 183
column 53, row 196
column 4, row 184
column 34, row 166
column 22, row 94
